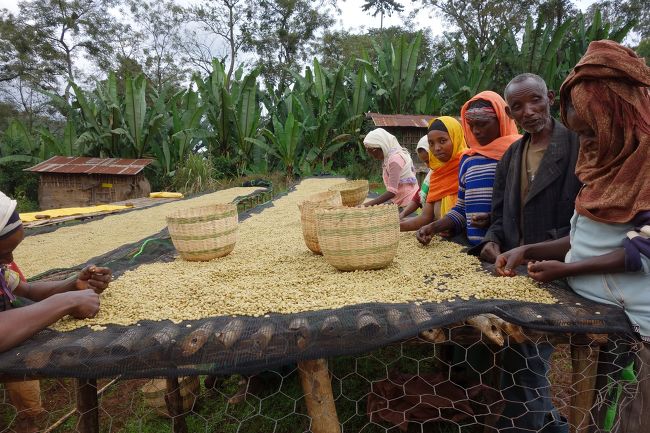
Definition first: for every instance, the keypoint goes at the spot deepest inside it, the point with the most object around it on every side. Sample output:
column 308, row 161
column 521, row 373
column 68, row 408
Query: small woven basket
column 204, row 233
column 353, row 192
column 322, row 200
column 359, row 238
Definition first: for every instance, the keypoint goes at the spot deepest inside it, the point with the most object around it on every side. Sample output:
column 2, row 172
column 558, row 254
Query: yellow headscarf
column 457, row 137
column 443, row 183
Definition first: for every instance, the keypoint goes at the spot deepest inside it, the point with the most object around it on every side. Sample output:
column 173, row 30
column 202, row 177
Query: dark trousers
column 527, row 392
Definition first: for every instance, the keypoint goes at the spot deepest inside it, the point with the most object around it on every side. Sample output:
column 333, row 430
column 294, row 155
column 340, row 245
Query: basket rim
column 357, row 211
column 350, row 185
column 327, row 195
column 183, row 213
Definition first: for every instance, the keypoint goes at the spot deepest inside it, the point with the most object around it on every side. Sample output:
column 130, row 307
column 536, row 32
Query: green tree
column 341, row 47
column 159, row 24
column 481, row 22
column 281, row 32
column 221, row 19
column 623, row 11
column 643, row 49
column 381, row 7
column 63, row 31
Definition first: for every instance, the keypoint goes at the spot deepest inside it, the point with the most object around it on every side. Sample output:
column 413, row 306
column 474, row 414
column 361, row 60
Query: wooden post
column 584, row 362
column 87, row 406
column 174, row 403
column 317, row 386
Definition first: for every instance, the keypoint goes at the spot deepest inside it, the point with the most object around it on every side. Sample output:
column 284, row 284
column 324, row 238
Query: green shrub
column 20, row 185
column 196, row 174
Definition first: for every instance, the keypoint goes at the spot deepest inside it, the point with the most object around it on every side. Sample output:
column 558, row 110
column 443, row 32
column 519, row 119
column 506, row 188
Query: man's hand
column 481, row 220
column 425, row 234
column 490, row 252
column 83, row 304
column 547, row 270
column 507, row 262
column 93, row 277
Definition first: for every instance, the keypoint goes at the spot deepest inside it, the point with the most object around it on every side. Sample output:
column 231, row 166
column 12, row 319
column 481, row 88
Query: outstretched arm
column 550, row 270
column 33, row 318
column 410, row 224
column 91, row 277
column 507, row 262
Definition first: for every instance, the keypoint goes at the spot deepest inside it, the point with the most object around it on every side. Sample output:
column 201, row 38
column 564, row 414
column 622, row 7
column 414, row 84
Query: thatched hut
column 79, row 181
column 408, row 128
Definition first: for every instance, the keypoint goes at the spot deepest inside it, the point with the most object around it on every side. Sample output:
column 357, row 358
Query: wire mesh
column 463, row 383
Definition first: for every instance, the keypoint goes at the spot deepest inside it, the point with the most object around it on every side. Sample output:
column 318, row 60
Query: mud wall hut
column 81, row 181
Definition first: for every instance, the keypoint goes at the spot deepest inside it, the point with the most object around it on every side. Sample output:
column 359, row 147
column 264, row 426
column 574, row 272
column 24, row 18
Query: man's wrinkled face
column 529, row 105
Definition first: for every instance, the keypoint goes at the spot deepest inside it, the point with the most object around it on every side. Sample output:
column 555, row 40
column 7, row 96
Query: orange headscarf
column 444, row 175
column 507, row 128
column 609, row 90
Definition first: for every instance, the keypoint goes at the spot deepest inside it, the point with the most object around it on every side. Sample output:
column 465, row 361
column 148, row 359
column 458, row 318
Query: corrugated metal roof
column 84, row 165
column 401, row 120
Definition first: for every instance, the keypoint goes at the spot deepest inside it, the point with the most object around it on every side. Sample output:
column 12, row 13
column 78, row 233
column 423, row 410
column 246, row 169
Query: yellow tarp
column 56, row 213
column 165, row 194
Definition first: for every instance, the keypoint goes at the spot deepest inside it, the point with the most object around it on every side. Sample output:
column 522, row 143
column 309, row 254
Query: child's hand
column 95, row 278
column 547, row 270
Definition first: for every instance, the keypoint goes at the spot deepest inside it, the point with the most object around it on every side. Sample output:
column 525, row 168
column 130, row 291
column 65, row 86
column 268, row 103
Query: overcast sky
column 352, row 18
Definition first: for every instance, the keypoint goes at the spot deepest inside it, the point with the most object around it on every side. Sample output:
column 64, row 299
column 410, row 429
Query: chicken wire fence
column 463, row 383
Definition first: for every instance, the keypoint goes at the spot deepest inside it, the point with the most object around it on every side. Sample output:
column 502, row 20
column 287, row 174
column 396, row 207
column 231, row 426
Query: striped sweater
column 475, row 182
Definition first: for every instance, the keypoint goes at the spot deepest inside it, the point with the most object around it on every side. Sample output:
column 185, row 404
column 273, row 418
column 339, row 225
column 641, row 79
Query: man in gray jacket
column 535, row 184
column 533, row 200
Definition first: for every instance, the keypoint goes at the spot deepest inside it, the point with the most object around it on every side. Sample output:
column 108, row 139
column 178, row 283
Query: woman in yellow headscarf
column 446, row 147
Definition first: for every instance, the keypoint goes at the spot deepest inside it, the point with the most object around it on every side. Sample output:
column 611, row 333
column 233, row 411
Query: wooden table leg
column 584, row 360
column 87, row 406
column 317, row 386
column 175, row 405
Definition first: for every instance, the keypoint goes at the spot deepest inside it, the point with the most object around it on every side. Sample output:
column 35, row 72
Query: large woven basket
column 359, row 238
column 321, row 200
column 353, row 192
column 204, row 233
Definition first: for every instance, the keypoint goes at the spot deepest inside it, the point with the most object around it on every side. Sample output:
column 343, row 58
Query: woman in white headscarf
column 77, row 296
column 398, row 171
column 420, row 197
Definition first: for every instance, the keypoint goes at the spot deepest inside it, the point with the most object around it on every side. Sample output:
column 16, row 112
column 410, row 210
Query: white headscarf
column 423, row 144
column 381, row 139
column 7, row 209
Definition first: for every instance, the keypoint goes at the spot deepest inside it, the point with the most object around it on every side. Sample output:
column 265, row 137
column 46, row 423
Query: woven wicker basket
column 353, row 192
column 359, row 238
column 154, row 393
column 204, row 233
column 322, row 200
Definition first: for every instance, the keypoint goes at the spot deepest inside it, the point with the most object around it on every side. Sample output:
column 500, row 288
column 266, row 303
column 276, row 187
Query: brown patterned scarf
column 608, row 88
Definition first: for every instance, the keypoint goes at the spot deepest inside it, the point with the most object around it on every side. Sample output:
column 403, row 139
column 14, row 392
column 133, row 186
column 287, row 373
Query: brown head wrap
column 608, row 89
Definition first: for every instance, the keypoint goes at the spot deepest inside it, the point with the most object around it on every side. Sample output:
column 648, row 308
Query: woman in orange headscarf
column 489, row 132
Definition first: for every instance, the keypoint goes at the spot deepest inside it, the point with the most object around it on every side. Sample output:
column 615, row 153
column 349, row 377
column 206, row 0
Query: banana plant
column 465, row 78
column 394, row 75
column 582, row 35
column 284, row 142
column 246, row 116
column 18, row 146
column 143, row 126
column 539, row 52
column 65, row 145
